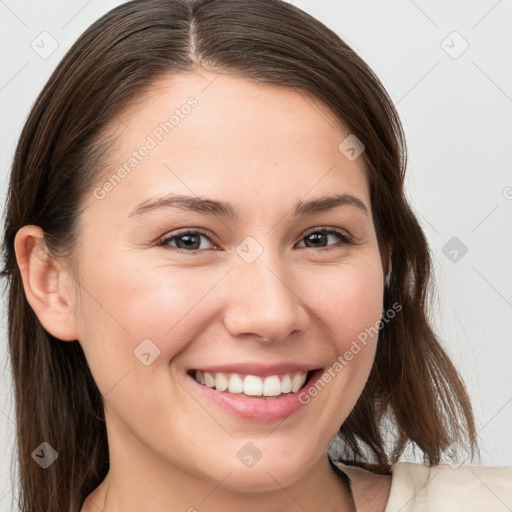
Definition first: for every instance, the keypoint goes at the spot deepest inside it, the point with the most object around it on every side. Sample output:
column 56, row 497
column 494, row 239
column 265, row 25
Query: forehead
column 206, row 133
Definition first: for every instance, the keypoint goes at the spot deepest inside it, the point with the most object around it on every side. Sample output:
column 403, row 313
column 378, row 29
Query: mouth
column 253, row 392
column 254, row 386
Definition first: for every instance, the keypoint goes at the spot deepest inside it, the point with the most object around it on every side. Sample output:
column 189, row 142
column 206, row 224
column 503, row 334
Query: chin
column 258, row 479
column 266, row 474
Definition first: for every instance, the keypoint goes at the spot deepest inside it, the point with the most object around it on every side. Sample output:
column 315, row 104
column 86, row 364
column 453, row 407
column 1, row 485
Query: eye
column 321, row 235
column 186, row 240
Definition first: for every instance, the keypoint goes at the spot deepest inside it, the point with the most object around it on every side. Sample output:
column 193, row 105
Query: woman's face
column 235, row 279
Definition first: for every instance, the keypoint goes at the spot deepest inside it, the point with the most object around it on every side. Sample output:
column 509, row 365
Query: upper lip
column 260, row 369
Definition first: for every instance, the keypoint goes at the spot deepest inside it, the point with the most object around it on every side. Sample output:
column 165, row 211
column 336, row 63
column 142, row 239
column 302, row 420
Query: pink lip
column 261, row 370
column 258, row 409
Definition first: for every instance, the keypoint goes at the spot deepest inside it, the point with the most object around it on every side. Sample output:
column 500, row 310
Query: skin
column 261, row 148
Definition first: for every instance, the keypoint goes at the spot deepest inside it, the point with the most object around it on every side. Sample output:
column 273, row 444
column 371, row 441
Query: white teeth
column 298, row 381
column 209, row 380
column 272, row 386
column 221, row 383
column 200, row 378
column 236, row 384
column 252, row 385
column 286, row 384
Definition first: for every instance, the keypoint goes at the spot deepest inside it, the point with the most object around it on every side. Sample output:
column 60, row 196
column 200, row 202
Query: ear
column 47, row 284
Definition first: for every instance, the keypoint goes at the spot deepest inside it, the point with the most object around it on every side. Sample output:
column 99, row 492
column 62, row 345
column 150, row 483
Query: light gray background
column 456, row 108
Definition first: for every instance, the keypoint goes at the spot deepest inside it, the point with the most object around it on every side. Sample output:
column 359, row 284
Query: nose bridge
column 264, row 302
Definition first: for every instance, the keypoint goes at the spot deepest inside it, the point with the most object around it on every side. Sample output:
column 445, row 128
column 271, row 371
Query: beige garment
column 442, row 488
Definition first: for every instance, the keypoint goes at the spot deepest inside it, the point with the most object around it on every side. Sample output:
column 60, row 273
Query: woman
column 180, row 338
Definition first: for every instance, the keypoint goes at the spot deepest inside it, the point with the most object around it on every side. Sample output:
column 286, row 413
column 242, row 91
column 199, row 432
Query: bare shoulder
column 370, row 490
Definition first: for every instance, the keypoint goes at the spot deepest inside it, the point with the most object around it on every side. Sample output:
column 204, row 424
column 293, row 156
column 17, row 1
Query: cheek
column 348, row 301
column 122, row 307
column 350, row 308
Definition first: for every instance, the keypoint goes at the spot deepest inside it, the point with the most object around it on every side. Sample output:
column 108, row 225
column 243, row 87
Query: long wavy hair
column 414, row 394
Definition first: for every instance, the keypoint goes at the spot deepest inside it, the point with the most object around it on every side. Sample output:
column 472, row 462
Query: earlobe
column 46, row 284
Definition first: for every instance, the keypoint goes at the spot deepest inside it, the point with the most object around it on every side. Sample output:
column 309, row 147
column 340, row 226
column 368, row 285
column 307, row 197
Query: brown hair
column 59, row 156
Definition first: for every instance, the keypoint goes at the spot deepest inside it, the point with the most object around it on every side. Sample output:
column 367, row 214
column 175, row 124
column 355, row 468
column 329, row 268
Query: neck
column 142, row 480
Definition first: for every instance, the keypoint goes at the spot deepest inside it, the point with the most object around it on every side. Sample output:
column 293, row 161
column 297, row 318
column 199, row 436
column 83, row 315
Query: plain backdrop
column 446, row 65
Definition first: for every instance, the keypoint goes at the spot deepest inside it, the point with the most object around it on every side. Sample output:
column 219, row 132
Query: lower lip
column 259, row 409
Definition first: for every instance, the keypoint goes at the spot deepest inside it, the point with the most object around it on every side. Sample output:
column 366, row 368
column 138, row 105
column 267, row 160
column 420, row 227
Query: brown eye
column 320, row 237
column 190, row 240
column 186, row 241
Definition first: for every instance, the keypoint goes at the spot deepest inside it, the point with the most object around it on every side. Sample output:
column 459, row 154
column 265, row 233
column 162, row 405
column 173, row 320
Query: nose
column 263, row 304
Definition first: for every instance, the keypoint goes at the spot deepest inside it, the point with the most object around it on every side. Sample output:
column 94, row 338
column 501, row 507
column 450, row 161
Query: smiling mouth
column 254, row 386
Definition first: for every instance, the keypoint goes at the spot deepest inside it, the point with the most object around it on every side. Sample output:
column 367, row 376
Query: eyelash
column 346, row 239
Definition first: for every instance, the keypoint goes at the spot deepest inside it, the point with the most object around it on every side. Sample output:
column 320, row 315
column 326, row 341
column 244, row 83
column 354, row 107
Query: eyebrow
column 224, row 209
